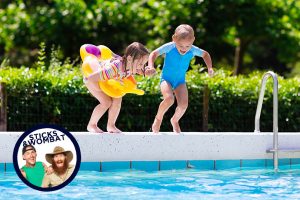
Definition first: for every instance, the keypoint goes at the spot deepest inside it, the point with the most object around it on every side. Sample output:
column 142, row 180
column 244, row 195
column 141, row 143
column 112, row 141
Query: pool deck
column 145, row 146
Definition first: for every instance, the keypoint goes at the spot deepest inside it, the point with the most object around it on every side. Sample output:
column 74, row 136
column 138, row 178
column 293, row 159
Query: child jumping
column 133, row 62
column 178, row 55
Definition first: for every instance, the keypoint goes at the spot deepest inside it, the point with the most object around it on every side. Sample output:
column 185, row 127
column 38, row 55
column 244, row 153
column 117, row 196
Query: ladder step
column 283, row 150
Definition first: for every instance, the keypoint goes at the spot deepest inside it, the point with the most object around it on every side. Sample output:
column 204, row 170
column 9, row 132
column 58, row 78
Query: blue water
column 179, row 184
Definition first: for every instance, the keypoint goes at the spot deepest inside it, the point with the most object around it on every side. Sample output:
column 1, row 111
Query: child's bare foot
column 113, row 129
column 94, row 129
column 156, row 125
column 175, row 125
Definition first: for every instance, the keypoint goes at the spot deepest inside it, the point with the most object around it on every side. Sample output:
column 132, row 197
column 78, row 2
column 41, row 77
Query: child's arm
column 205, row 56
column 153, row 55
column 94, row 77
column 150, row 70
column 207, row 59
column 109, row 71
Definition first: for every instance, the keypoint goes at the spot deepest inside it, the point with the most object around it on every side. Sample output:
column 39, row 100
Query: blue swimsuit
column 175, row 64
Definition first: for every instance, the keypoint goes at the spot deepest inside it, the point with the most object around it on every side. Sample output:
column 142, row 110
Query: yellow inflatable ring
column 91, row 55
column 117, row 89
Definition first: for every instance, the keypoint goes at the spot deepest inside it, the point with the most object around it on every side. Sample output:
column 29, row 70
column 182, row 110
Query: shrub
column 58, row 95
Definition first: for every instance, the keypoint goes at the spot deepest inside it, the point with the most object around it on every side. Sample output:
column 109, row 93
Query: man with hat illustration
column 33, row 170
column 62, row 169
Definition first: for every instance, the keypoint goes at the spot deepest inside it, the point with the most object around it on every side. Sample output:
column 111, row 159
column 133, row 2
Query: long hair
column 136, row 50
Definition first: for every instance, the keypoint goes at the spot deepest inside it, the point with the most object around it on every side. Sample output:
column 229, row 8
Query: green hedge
column 58, row 95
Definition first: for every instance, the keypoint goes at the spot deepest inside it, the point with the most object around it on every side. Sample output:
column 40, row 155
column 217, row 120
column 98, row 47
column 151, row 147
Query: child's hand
column 150, row 71
column 211, row 72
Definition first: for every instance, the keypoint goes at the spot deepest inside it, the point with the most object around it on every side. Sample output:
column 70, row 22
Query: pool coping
column 145, row 146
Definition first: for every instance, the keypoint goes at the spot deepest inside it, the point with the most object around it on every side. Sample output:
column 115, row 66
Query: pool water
column 171, row 184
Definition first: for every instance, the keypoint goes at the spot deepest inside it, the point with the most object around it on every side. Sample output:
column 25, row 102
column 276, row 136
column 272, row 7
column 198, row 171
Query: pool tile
column 227, row 164
column 295, row 163
column 9, row 167
column 169, row 165
column 1, row 167
column 90, row 166
column 201, row 164
column 269, row 163
column 118, row 165
column 284, row 162
column 145, row 165
column 254, row 163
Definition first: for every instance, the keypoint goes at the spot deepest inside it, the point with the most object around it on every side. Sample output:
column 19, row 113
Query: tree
column 248, row 24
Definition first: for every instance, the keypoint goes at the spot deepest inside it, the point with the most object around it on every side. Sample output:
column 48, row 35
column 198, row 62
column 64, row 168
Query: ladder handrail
column 275, row 112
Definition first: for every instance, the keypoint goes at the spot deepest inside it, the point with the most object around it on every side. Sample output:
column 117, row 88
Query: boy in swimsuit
column 178, row 55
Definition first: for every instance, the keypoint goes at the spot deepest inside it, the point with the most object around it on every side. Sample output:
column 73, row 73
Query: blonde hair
column 136, row 50
column 184, row 31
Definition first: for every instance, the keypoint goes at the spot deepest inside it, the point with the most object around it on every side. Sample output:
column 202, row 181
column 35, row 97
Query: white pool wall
column 144, row 146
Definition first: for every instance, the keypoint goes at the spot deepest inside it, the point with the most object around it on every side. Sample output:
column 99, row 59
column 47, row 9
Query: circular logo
column 46, row 157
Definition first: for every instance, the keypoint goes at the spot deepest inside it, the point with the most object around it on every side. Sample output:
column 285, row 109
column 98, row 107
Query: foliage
column 268, row 28
column 58, row 95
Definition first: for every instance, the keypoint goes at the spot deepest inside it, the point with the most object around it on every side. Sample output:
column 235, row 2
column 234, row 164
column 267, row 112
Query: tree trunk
column 206, row 93
column 239, row 56
column 3, row 107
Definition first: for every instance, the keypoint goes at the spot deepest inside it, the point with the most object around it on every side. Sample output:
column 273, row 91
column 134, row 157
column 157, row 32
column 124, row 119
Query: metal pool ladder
column 275, row 149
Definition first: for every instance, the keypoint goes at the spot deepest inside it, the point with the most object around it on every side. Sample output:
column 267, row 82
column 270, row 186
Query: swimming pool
column 169, row 184
column 130, row 165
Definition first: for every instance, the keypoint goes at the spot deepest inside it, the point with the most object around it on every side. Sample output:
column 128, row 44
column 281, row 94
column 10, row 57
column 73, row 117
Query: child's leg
column 100, row 109
column 113, row 114
column 167, row 92
column 181, row 94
